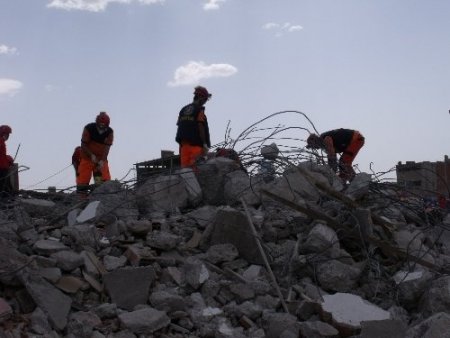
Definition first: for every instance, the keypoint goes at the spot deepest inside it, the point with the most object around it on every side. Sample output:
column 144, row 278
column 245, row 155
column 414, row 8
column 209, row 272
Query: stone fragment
column 168, row 302
column 37, row 207
column 436, row 298
column 195, row 273
column 435, row 326
column 336, row 276
column 231, row 226
column 252, row 272
column 346, row 311
column 68, row 260
column 129, row 287
column 48, row 247
column 411, row 286
column 70, row 284
column 318, row 329
column 222, row 253
column 5, row 310
column 163, row 240
column 383, row 328
column 112, row 263
column 53, row 302
column 81, row 324
column 275, row 323
column 89, row 212
column 144, row 321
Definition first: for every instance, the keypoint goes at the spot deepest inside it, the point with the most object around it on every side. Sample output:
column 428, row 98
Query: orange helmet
column 102, row 118
column 200, row 91
column 5, row 130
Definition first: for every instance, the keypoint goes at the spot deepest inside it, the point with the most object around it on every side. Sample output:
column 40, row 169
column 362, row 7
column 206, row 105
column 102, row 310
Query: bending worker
column 345, row 141
column 193, row 132
column 6, row 162
column 96, row 141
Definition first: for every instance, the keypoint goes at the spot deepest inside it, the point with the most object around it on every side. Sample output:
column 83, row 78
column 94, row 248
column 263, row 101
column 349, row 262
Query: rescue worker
column 96, row 141
column 6, row 162
column 193, row 132
column 345, row 141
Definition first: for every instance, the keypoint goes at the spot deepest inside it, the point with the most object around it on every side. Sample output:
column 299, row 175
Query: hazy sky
column 382, row 67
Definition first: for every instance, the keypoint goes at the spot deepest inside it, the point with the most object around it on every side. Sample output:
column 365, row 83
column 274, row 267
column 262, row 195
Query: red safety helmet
column 5, row 130
column 102, row 118
column 200, row 91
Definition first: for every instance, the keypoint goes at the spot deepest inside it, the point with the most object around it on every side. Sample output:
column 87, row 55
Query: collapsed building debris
column 295, row 257
column 225, row 253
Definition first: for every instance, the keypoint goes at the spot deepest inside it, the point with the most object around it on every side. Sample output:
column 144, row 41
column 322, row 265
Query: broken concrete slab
column 211, row 177
column 129, row 287
column 346, row 312
column 55, row 304
column 49, row 247
column 37, row 207
column 231, row 226
column 89, row 212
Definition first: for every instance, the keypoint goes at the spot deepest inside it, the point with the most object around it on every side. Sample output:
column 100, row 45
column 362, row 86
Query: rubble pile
column 222, row 254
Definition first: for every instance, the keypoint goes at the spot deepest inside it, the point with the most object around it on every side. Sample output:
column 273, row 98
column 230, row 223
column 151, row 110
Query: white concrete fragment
column 405, row 276
column 350, row 310
column 204, row 274
column 211, row 311
column 89, row 212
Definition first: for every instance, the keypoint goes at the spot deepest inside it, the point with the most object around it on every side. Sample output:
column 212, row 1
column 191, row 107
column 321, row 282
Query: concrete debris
column 347, row 311
column 182, row 256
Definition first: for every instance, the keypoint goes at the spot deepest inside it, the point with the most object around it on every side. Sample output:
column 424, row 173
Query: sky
column 381, row 67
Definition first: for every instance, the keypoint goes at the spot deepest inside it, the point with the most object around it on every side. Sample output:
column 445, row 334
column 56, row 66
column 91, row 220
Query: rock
column 346, row 312
column 144, row 321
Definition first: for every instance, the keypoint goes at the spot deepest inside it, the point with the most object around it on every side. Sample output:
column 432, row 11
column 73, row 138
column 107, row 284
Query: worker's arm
column 331, row 153
column 108, row 143
column 201, row 120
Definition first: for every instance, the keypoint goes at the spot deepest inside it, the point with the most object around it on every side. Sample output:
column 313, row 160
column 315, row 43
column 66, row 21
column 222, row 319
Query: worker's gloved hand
column 332, row 162
column 205, row 149
column 93, row 158
column 100, row 164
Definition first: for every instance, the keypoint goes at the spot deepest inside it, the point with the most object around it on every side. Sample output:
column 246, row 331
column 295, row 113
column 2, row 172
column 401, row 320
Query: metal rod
column 264, row 257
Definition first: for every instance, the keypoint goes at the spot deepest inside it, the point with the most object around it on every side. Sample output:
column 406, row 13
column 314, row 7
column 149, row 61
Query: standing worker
column 193, row 132
column 345, row 141
column 6, row 162
column 96, row 141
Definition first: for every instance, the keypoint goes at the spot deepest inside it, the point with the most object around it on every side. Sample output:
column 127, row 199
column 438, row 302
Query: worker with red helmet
column 345, row 141
column 6, row 161
column 193, row 132
column 96, row 141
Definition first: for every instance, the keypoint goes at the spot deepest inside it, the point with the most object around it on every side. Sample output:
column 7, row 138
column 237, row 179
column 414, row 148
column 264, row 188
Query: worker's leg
column 189, row 154
column 349, row 154
column 85, row 170
column 106, row 176
column 5, row 183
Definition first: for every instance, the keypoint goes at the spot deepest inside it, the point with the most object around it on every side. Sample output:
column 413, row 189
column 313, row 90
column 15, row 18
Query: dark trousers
column 5, row 182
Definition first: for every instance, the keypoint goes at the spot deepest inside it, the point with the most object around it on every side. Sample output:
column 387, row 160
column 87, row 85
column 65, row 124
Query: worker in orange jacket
column 193, row 132
column 345, row 141
column 6, row 162
column 96, row 140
